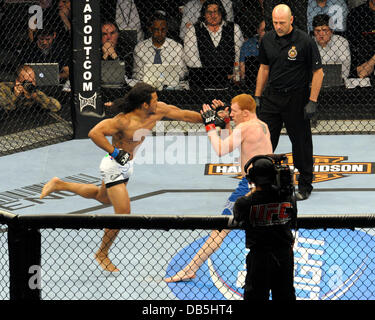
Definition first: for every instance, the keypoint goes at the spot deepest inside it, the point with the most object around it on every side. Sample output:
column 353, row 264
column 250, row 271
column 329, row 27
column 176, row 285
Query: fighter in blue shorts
column 252, row 137
column 242, row 189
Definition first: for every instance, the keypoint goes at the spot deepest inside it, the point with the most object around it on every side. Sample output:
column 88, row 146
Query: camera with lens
column 29, row 86
column 285, row 184
column 284, row 176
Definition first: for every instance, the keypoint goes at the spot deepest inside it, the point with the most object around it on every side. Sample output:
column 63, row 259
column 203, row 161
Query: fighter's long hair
column 134, row 99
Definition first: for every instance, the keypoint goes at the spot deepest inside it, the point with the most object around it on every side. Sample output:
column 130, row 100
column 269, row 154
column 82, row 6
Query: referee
column 289, row 62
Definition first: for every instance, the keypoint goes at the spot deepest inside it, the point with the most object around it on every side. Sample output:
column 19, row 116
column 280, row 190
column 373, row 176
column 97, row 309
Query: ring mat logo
column 327, row 266
column 325, row 168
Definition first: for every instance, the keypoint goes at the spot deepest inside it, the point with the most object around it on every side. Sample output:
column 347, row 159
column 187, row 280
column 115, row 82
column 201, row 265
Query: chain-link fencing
column 190, row 62
column 52, row 257
column 171, row 45
column 34, row 75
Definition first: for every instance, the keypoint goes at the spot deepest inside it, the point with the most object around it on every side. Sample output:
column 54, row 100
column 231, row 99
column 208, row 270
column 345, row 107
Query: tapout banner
column 86, row 73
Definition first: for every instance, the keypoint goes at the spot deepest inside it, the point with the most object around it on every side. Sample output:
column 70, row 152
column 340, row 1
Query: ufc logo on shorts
column 269, row 214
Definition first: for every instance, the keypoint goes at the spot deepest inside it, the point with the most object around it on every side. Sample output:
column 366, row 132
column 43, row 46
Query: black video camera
column 29, row 86
column 284, row 175
column 285, row 184
column 278, row 174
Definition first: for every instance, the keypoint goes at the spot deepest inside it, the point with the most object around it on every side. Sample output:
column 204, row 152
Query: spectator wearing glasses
column 213, row 43
column 333, row 49
column 191, row 13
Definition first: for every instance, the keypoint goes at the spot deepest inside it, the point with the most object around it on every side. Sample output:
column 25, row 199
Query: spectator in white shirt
column 169, row 52
column 191, row 13
column 213, row 41
column 127, row 17
column 334, row 49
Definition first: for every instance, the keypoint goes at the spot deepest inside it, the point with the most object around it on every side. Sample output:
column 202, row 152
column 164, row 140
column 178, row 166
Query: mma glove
column 310, row 110
column 121, row 156
column 221, row 122
column 209, row 118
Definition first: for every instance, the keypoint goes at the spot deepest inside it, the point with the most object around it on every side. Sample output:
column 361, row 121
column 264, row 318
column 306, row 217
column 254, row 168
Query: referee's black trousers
column 287, row 108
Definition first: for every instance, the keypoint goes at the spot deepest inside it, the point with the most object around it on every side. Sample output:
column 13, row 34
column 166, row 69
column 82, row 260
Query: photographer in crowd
column 267, row 213
column 23, row 92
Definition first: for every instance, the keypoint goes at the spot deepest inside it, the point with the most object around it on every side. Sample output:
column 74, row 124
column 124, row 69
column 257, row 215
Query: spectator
column 336, row 9
column 114, row 48
column 334, row 49
column 110, row 37
column 169, row 51
column 360, row 33
column 251, row 47
column 23, row 92
column 58, row 14
column 14, row 26
column 47, row 48
column 213, row 42
column 191, row 14
column 127, row 17
column 170, row 8
column 65, row 14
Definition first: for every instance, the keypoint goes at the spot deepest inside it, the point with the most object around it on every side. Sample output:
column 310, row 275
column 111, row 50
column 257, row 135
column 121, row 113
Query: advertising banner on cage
column 86, row 33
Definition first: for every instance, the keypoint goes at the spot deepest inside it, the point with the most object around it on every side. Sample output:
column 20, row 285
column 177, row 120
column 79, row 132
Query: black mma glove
column 219, row 121
column 209, row 118
column 121, row 156
column 257, row 102
column 310, row 110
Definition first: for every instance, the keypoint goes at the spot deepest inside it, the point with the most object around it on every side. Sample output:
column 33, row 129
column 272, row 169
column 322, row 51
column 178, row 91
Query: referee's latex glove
column 310, row 110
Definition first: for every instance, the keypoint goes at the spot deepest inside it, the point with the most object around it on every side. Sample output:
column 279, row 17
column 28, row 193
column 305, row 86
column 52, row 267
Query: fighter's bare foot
column 105, row 262
column 49, row 187
column 182, row 275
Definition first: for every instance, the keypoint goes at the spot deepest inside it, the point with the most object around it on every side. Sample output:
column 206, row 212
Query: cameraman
column 267, row 214
column 23, row 92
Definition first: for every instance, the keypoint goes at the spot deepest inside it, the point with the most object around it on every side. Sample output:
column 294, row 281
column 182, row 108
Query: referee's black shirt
column 291, row 59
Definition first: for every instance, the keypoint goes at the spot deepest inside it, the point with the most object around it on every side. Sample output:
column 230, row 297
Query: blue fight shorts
column 242, row 189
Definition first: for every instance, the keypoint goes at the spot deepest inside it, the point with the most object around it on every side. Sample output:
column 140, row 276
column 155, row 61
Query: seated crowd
column 200, row 43
column 215, row 36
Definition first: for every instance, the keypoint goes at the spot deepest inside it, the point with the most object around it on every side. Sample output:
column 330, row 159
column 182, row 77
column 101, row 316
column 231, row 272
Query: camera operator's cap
column 264, row 171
